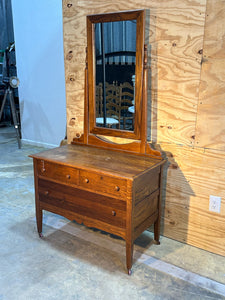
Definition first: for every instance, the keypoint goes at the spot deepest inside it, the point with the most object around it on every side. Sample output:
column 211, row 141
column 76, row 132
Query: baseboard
column 39, row 144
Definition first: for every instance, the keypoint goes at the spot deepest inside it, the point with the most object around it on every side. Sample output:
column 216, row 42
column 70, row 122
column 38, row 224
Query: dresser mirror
column 115, row 44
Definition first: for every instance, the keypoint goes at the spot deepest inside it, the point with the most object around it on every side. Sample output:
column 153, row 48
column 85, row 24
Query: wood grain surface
column 210, row 131
column 191, row 176
column 83, row 203
column 106, row 162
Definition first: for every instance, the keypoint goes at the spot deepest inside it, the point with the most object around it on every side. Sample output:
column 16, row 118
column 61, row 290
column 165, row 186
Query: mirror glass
column 115, row 60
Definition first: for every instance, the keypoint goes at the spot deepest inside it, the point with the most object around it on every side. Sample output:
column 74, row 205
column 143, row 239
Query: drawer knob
column 46, row 193
column 68, row 176
column 86, row 180
column 43, row 170
column 117, row 188
column 113, row 213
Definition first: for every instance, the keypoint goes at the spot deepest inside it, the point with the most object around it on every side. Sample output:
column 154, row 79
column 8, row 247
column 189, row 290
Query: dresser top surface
column 97, row 159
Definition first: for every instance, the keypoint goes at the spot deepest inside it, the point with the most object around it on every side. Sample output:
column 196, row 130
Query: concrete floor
column 75, row 262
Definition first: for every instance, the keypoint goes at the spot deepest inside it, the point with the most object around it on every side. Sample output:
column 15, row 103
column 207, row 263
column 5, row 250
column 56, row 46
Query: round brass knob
column 117, row 188
column 86, row 180
column 43, row 170
column 68, row 176
column 46, row 193
column 113, row 213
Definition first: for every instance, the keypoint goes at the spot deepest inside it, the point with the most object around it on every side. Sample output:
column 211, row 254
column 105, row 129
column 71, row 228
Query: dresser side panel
column 146, row 199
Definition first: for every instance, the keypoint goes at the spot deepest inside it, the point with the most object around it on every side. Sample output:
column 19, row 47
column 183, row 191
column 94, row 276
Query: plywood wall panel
column 214, row 43
column 194, row 227
column 210, row 131
column 202, row 170
column 176, row 57
column 192, row 175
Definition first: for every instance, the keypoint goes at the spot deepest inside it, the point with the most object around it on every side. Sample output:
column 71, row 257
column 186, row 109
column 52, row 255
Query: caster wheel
column 157, row 242
column 40, row 235
column 129, row 272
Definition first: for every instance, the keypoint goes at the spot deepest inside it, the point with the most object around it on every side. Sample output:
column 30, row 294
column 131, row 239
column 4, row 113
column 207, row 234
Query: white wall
column 38, row 32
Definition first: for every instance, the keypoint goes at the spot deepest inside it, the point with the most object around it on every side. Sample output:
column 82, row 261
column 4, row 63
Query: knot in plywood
column 72, row 121
column 69, row 55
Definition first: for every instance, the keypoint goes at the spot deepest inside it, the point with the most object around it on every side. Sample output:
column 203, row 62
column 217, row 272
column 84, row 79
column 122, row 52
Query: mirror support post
column 144, row 106
column 86, row 102
column 103, row 73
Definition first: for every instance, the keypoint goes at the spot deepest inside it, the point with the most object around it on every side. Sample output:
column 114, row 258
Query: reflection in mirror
column 115, row 56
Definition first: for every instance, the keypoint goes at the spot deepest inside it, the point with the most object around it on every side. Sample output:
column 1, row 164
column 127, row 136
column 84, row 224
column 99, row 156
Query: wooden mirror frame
column 93, row 135
column 139, row 16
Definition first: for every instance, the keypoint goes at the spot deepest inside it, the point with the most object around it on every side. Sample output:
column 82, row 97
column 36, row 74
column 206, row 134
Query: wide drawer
column 109, row 210
column 61, row 173
column 104, row 184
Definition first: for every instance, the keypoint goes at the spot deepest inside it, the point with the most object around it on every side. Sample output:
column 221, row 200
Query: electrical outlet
column 214, row 203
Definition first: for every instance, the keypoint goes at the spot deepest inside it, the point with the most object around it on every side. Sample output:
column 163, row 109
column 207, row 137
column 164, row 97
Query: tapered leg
column 157, row 231
column 157, row 222
column 39, row 213
column 129, row 256
column 39, row 217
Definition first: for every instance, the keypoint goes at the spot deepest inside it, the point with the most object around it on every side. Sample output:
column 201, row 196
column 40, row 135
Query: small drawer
column 60, row 173
column 103, row 184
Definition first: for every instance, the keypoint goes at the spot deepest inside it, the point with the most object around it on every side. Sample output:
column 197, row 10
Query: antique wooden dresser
column 110, row 186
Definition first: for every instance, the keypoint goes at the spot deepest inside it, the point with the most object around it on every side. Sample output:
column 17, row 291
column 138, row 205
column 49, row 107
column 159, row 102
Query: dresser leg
column 129, row 256
column 157, row 231
column 157, row 222
column 39, row 217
